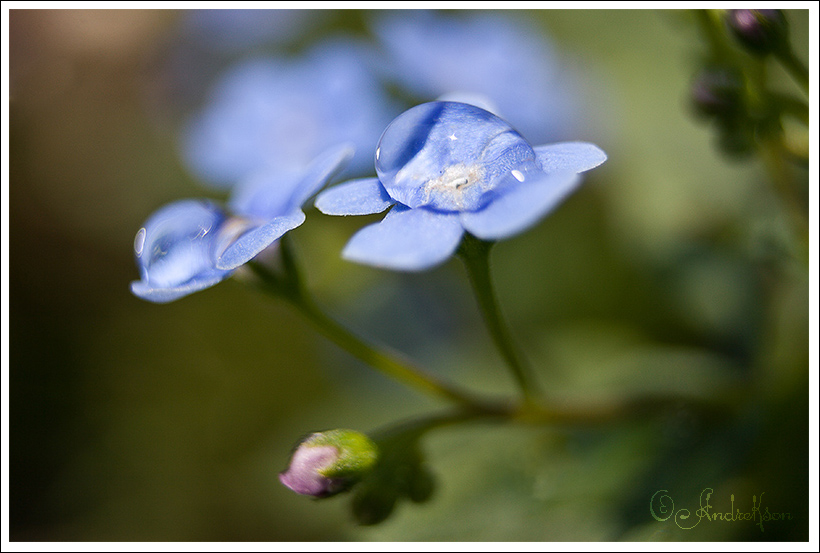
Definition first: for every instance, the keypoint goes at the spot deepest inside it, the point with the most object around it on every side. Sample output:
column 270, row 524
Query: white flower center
column 455, row 187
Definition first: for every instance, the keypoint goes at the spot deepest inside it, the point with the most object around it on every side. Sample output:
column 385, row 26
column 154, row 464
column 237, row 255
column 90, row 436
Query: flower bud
column 326, row 463
column 717, row 92
column 761, row 32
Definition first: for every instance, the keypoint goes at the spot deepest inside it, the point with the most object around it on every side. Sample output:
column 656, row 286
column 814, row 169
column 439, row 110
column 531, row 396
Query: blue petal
column 266, row 194
column 253, row 241
column 275, row 192
column 175, row 251
column 164, row 295
column 576, row 157
column 406, row 240
column 519, row 207
column 239, row 129
column 321, row 170
column 356, row 197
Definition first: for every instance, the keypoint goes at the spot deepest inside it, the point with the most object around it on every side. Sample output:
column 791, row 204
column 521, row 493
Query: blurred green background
column 673, row 270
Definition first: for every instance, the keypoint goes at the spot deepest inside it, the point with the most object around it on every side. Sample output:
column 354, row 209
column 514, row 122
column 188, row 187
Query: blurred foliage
column 673, row 270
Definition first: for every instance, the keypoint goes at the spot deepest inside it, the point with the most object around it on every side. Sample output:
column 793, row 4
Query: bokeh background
column 674, row 270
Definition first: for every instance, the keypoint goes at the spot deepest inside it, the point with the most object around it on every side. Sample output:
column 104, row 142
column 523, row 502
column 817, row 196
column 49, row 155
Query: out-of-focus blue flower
column 207, row 41
column 236, row 29
column 191, row 245
column 501, row 58
column 447, row 167
column 279, row 114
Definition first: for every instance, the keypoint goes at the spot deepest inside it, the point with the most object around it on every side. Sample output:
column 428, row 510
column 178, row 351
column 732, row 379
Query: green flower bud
column 326, row 463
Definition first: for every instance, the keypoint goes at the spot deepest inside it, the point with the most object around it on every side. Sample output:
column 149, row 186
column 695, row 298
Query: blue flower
column 206, row 41
column 191, row 245
column 447, row 168
column 280, row 113
column 234, row 30
column 502, row 59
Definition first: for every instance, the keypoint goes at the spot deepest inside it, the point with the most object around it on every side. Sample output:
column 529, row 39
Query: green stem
column 576, row 415
column 476, row 254
column 773, row 156
column 796, row 68
column 412, row 430
column 289, row 285
column 388, row 363
column 709, row 22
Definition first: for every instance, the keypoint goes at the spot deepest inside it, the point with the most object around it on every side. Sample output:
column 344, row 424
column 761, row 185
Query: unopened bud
column 717, row 91
column 326, row 463
column 759, row 31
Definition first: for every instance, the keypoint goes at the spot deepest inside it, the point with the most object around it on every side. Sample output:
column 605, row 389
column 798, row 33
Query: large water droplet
column 448, row 156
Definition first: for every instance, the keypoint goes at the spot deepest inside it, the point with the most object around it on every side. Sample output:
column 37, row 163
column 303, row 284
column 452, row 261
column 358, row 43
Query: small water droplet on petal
column 139, row 241
column 519, row 176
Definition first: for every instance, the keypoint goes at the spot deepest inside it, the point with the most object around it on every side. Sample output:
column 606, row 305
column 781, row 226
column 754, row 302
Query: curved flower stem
column 576, row 416
column 476, row 256
column 289, row 286
column 386, row 362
